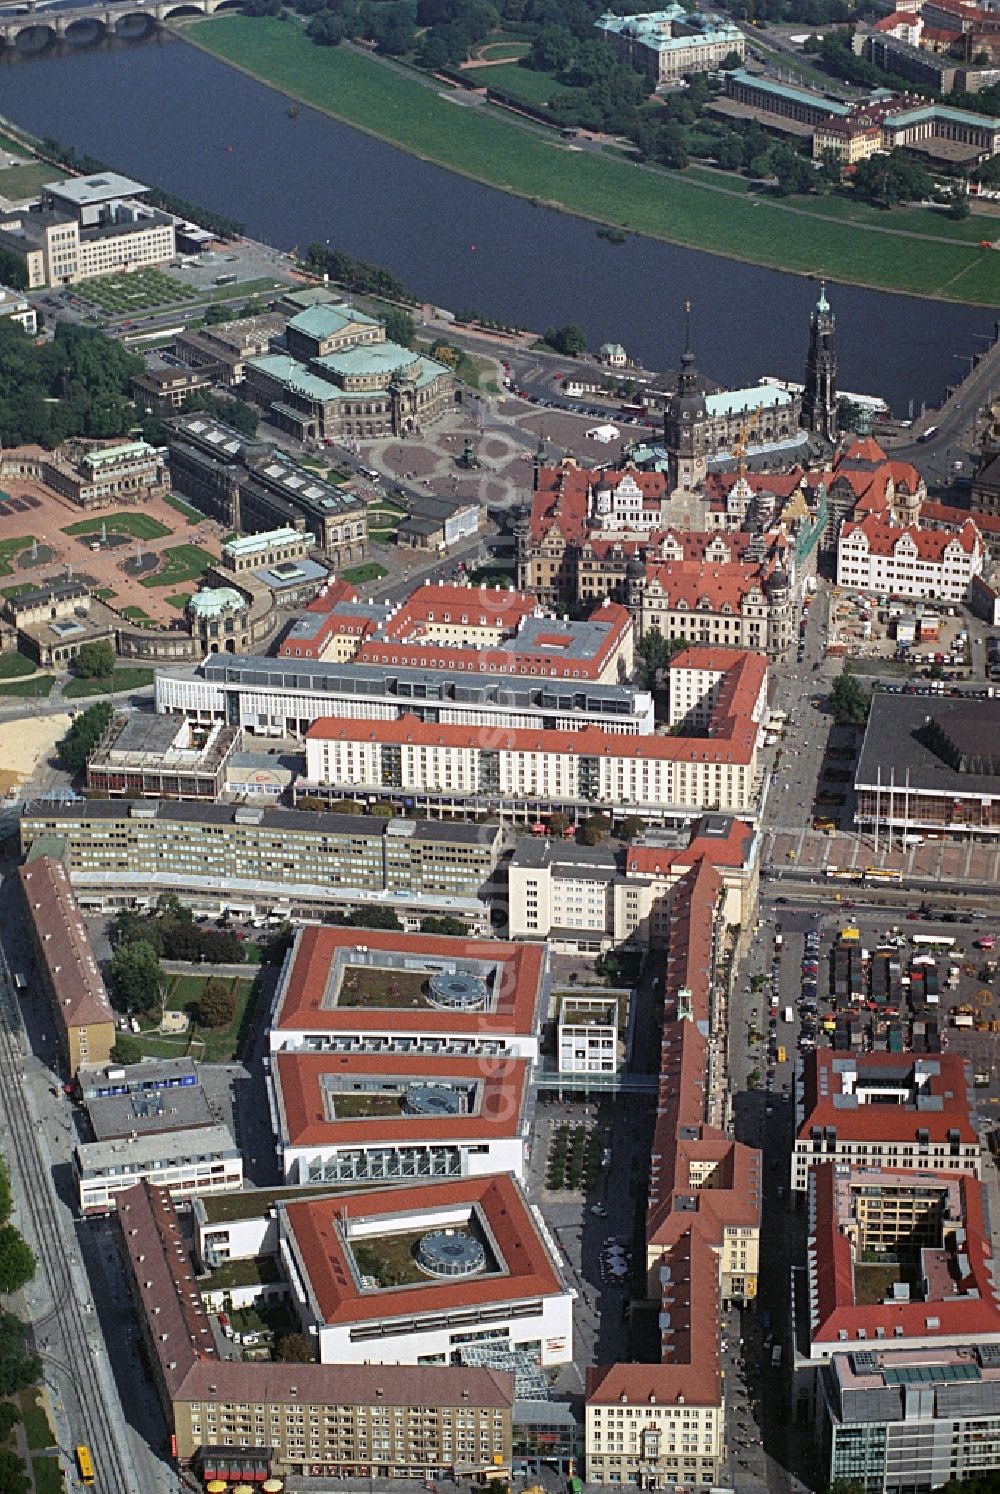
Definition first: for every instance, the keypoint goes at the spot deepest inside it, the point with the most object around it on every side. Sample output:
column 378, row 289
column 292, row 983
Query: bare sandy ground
column 25, row 743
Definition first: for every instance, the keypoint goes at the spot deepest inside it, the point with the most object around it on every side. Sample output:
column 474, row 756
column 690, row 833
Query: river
column 170, row 114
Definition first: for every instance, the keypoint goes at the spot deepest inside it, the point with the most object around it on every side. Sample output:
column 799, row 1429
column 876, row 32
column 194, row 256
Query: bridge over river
column 83, row 23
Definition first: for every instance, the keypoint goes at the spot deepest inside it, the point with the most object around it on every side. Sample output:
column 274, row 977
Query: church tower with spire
column 819, row 397
column 685, row 423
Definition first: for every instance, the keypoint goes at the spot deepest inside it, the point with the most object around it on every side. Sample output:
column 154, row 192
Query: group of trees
column 355, row 274
column 17, row 1262
column 75, row 385
column 140, row 941
column 83, row 736
column 235, row 412
column 570, row 340
column 889, row 180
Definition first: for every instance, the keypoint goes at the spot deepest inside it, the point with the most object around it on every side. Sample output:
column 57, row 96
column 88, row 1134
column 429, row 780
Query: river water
column 169, row 114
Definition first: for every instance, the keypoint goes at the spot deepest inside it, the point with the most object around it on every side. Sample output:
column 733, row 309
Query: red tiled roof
column 332, row 595
column 955, row 518
column 299, row 1078
column 931, row 544
column 735, row 738
column 958, row 1314
column 63, row 946
column 688, row 582
column 301, row 1002
column 561, row 493
column 886, row 1122
column 528, row 1270
column 484, row 606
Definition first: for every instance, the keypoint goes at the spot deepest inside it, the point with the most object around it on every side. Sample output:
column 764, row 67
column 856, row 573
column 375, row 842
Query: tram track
column 83, row 1395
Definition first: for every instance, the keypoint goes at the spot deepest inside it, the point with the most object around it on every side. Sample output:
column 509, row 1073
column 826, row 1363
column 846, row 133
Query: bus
column 84, row 1463
column 928, row 942
column 927, row 434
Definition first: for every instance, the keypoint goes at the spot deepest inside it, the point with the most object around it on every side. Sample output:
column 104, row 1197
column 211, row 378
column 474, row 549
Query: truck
column 788, row 1015
column 776, row 1357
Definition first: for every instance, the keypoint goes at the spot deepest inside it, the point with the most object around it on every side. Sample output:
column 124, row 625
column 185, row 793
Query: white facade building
column 587, row 1040
column 519, row 773
column 880, row 557
column 202, row 1159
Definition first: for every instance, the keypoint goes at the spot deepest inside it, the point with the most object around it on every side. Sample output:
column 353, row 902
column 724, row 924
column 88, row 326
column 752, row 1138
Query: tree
column 83, row 736
column 126, row 1049
column 294, row 1348
column 399, row 327
column 136, row 979
column 18, row 1369
column 632, row 827
column 376, row 918
column 96, row 661
column 216, row 1006
column 9, row 1418
column 559, row 823
column 17, row 1261
column 569, row 340
column 958, row 204
column 6, row 1197
column 849, row 702
column 447, row 923
column 129, row 926
column 553, row 50
column 653, row 653
column 594, row 829
column 13, row 1474
column 671, row 149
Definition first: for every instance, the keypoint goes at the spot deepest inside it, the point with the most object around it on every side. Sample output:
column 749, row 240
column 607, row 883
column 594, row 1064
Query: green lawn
column 179, row 599
column 36, row 688
column 122, row 679
column 140, row 526
column 370, row 571
column 15, row 666
column 105, row 593
column 484, row 145
column 47, row 1475
column 9, row 549
column 185, row 508
column 521, row 82
column 497, row 49
column 136, row 614
column 214, row 1045
column 18, row 182
column 179, row 564
column 36, row 1422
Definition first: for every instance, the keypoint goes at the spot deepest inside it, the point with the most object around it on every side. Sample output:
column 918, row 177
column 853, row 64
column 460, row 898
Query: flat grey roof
column 163, row 1149
column 303, row 820
column 894, row 744
column 144, row 732
column 149, row 1112
column 256, row 671
column 105, row 186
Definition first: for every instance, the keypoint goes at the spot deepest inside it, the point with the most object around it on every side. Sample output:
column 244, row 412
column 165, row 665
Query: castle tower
column 684, row 424
column 819, row 397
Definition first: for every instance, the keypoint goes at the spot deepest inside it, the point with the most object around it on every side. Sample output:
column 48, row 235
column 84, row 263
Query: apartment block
column 521, row 775
column 87, row 226
column 186, row 1161
column 256, row 860
column 240, row 1420
column 892, row 1420
column 898, row 1257
column 588, row 899
column 66, row 965
column 873, row 555
column 319, row 673
column 416, row 1275
column 663, row 1426
column 422, row 994
column 361, row 1118
column 888, row 1110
